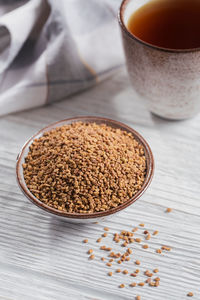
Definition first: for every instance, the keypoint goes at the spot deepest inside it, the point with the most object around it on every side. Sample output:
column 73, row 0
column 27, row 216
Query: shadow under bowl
column 84, row 217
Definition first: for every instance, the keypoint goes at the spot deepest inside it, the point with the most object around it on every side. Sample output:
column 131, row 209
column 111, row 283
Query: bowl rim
column 109, row 122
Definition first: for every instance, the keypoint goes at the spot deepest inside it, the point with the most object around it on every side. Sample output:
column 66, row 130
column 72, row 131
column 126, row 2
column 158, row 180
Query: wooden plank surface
column 43, row 258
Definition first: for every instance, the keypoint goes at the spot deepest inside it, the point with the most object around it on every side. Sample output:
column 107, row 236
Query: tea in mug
column 173, row 24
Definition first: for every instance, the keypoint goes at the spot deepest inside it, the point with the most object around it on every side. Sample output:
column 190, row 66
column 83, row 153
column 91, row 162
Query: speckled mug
column 168, row 79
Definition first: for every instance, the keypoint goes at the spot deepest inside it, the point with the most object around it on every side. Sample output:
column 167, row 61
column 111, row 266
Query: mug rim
column 134, row 37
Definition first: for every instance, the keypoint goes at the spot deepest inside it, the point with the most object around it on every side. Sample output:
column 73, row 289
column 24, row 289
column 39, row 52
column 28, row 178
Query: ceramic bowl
column 92, row 217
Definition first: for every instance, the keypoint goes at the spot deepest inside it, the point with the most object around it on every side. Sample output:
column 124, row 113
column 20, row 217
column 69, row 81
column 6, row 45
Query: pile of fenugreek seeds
column 85, row 167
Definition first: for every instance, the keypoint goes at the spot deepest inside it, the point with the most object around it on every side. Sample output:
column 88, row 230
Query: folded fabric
column 52, row 49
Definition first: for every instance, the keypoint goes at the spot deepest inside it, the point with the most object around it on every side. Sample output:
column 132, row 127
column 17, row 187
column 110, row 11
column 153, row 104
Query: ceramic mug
column 168, row 79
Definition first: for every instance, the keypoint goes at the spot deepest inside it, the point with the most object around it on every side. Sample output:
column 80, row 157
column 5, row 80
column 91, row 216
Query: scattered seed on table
column 157, row 279
column 119, row 261
column 168, row 210
column 111, row 260
column 109, row 264
column 137, row 262
column 99, row 240
column 122, row 286
column 106, row 228
column 118, row 271
column 148, row 236
column 85, row 241
column 127, row 258
column 133, row 274
column 125, row 272
column 90, row 251
column 108, row 249
column 155, row 232
column 92, row 256
column 104, row 234
column 135, row 229
column 148, row 280
column 124, row 244
column 155, row 270
column 166, row 248
column 146, row 232
column 190, row 294
column 138, row 297
column 103, row 248
column 145, row 246
column 138, row 240
column 129, row 251
column 137, row 271
column 141, row 283
column 110, row 273
column 158, row 251
column 141, row 224
column 102, row 258
column 133, row 284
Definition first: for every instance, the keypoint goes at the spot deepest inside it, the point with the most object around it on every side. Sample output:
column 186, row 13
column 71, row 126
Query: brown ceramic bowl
column 75, row 217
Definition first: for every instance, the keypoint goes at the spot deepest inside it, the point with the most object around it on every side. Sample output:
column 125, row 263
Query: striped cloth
column 52, row 49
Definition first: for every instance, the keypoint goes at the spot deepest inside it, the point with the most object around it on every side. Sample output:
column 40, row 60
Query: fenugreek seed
column 158, row 251
column 131, row 240
column 133, row 274
column 168, row 210
column 124, row 244
column 108, row 249
column 141, row 224
column 119, row 262
column 135, row 229
column 157, row 279
column 145, row 246
column 155, row 270
column 138, row 297
column 155, row 232
column 92, row 256
column 110, row 273
column 166, row 248
column 109, row 264
column 85, row 241
column 99, row 240
column 141, row 283
column 106, row 228
column 90, row 251
column 138, row 240
column 122, row 286
column 104, row 234
column 133, row 284
column 127, row 258
column 148, row 236
column 103, row 248
column 118, row 271
column 125, row 272
column 146, row 232
column 111, row 260
column 157, row 283
column 190, row 294
column 129, row 251
column 137, row 262
column 151, row 283
column 102, row 258
column 137, row 271
column 148, row 280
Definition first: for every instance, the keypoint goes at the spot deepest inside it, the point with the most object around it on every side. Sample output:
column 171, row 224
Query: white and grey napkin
column 52, row 49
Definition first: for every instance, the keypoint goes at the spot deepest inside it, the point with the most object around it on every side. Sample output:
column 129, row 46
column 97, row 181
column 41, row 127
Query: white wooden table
column 43, row 258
